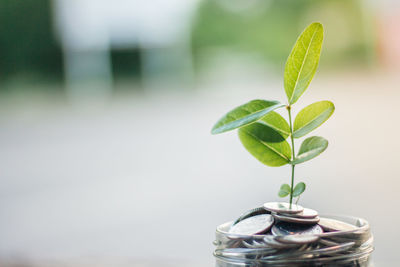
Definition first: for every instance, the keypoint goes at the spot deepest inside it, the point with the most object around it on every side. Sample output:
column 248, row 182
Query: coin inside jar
column 283, row 207
column 291, row 219
column 297, row 239
column 285, row 228
column 251, row 239
column 305, row 214
column 250, row 213
column 253, row 225
column 332, row 225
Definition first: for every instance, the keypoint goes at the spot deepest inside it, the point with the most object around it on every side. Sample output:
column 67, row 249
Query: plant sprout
column 264, row 133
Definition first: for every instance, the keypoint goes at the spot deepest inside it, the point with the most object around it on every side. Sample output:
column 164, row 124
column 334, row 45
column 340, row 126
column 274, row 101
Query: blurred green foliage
column 27, row 45
column 126, row 64
column 267, row 27
column 29, row 51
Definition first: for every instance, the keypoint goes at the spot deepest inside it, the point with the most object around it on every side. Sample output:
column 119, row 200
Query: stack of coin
column 294, row 214
column 284, row 233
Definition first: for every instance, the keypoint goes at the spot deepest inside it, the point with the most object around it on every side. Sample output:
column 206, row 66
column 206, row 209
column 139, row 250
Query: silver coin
column 253, row 244
column 253, row 225
column 328, row 243
column 305, row 214
column 256, row 244
column 285, row 228
column 332, row 225
column 289, row 254
column 270, row 241
column 333, row 249
column 250, row 213
column 346, row 236
column 309, row 253
column 297, row 239
column 295, row 220
column 283, row 208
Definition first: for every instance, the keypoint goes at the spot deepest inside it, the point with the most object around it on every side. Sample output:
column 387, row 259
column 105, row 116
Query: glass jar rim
column 362, row 224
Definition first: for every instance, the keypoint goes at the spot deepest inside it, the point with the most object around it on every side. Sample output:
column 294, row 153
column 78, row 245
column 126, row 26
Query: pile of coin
column 280, row 233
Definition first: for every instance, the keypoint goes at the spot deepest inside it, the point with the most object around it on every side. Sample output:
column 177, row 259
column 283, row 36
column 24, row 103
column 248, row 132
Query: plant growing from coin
column 264, row 133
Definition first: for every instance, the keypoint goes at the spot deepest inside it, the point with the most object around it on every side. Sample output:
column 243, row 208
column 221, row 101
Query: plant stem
column 289, row 107
column 291, row 187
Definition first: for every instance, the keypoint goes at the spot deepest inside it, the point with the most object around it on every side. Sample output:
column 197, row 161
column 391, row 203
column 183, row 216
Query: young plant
column 264, row 133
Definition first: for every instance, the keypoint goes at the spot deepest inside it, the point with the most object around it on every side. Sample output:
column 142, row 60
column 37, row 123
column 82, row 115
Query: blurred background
column 105, row 116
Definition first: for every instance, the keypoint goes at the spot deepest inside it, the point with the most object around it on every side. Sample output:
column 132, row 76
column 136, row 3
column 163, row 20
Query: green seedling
column 264, row 132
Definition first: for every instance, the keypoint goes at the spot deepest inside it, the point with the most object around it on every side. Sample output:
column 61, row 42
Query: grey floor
column 141, row 182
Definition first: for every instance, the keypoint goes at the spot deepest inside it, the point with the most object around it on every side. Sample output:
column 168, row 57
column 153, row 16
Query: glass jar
column 341, row 248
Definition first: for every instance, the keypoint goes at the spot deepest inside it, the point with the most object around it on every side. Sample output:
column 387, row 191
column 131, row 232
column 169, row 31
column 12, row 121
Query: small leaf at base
column 299, row 189
column 284, row 190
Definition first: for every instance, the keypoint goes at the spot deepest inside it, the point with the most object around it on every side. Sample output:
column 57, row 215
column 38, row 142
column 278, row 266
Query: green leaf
column 245, row 114
column 310, row 148
column 276, row 122
column 284, row 190
column 299, row 189
column 303, row 61
column 265, row 144
column 312, row 116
